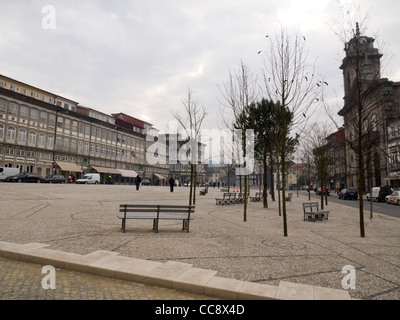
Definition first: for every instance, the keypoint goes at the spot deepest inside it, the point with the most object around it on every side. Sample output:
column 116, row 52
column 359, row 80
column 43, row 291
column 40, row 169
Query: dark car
column 24, row 177
column 54, row 179
column 348, row 194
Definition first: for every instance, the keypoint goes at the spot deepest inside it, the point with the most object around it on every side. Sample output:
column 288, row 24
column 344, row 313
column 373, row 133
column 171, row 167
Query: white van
column 8, row 172
column 379, row 193
column 92, row 178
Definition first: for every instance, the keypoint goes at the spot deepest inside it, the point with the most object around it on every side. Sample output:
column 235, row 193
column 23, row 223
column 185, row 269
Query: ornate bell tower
column 362, row 61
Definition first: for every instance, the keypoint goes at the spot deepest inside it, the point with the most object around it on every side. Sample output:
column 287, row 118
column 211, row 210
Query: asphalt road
column 378, row 207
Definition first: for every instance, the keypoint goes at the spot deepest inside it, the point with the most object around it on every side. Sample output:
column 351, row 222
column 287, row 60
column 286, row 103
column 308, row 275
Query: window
column 42, row 139
column 10, row 151
column 58, row 142
column 50, row 141
column 86, row 146
column 22, row 135
column 60, row 122
column 43, row 117
column 73, row 145
column 34, row 115
column 1, row 131
column 2, row 106
column 52, row 120
column 66, row 144
column 11, row 134
column 373, row 122
column 67, row 124
column 74, row 126
column 32, row 137
column 21, row 153
column 31, row 154
column 81, row 128
column 23, row 112
column 13, row 109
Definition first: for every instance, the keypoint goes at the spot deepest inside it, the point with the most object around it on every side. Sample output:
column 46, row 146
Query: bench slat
column 128, row 216
column 154, row 206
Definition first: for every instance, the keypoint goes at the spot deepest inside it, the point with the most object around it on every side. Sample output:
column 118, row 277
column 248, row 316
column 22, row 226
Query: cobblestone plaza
column 82, row 219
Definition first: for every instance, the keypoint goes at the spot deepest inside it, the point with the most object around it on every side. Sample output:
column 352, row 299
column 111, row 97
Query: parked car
column 379, row 193
column 92, row 178
column 24, row 177
column 348, row 194
column 146, row 182
column 393, row 198
column 54, row 179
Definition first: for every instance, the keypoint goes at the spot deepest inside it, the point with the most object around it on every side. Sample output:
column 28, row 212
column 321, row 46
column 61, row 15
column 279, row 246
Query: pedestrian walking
column 138, row 180
column 171, row 184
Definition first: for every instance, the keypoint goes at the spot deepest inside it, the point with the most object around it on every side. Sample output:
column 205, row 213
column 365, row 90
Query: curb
column 174, row 275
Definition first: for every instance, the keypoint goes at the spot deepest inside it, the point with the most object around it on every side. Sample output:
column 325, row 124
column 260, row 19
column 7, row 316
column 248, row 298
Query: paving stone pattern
column 82, row 219
column 23, row 281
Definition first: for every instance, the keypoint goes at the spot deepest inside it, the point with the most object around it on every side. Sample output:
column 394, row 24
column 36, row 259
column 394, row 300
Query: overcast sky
column 140, row 56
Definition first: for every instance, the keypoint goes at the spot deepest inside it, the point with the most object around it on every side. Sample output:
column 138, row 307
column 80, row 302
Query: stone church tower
column 370, row 104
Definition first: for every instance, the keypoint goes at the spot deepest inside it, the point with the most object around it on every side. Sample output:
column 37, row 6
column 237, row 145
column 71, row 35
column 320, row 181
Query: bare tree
column 238, row 93
column 290, row 80
column 190, row 122
column 315, row 144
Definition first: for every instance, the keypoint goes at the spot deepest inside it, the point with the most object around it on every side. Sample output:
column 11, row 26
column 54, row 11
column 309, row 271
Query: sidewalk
column 81, row 219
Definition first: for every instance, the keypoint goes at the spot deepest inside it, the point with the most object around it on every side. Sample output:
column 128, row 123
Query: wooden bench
column 288, row 198
column 224, row 200
column 156, row 213
column 204, row 191
column 312, row 212
column 232, row 198
column 240, row 197
column 257, row 197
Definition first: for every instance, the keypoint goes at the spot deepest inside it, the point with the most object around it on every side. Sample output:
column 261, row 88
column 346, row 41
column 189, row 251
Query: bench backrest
column 151, row 208
column 310, row 205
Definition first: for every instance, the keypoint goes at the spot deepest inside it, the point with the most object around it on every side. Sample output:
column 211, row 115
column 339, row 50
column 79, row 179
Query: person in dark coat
column 138, row 180
column 171, row 184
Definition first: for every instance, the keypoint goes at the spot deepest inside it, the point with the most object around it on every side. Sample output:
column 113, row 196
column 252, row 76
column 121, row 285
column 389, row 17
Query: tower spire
column 357, row 30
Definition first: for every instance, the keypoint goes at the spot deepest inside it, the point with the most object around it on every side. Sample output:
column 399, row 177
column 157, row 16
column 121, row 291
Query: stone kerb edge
column 180, row 276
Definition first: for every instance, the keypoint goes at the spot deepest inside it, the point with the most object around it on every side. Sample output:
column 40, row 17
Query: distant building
column 337, row 153
column 45, row 133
